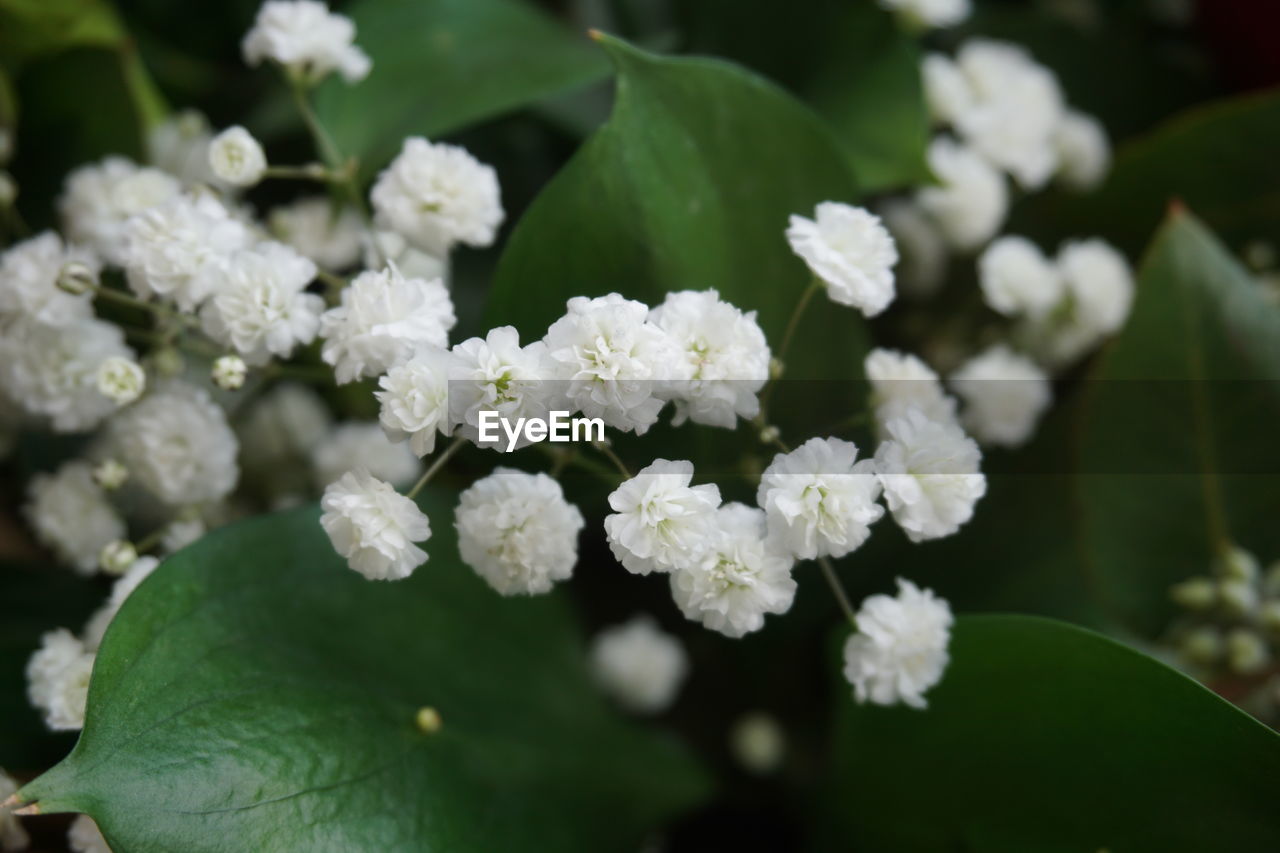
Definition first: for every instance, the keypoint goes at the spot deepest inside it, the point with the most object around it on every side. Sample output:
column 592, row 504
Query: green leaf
column 440, row 65
column 688, row 186
column 33, row 28
column 1177, row 444
column 1044, row 736
column 257, row 694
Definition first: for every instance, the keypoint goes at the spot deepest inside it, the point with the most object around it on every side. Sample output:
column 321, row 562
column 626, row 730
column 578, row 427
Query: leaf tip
column 28, row 810
column 1177, row 208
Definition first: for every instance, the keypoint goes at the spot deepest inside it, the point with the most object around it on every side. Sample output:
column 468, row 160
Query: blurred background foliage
column 1060, row 533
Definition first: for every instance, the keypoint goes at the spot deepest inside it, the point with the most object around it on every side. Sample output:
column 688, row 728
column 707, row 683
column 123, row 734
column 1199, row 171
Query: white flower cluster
column 307, row 39
column 900, row 648
column 639, row 665
column 1229, row 623
column 930, row 13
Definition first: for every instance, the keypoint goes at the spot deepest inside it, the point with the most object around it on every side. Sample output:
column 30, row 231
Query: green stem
column 787, row 336
column 612, row 457
column 829, row 572
column 436, row 466
column 312, row 172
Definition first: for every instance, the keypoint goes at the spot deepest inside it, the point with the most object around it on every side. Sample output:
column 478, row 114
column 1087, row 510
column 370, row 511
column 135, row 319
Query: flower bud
column 1247, row 652
column 121, row 379
column 77, row 278
column 757, row 742
column 428, row 720
column 1202, row 645
column 110, row 474
column 116, row 557
column 8, row 190
column 770, row 434
column 775, row 368
column 1195, row 593
column 168, row 362
column 229, row 372
column 237, row 158
column 1239, row 564
column 1238, row 597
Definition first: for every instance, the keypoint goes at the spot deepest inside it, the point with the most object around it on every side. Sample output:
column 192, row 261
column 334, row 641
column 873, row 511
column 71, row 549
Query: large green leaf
column 256, row 694
column 439, row 65
column 1047, row 737
column 1177, row 445
column 688, row 186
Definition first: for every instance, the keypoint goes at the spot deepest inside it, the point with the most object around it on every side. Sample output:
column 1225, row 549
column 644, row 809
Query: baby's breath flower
column 260, row 307
column 850, row 251
column 32, row 276
column 496, row 374
column 901, row 382
column 121, row 379
column 1084, row 152
column 900, row 649
column 85, row 837
column 110, row 474
column 660, row 522
column 930, row 13
column 758, row 742
column 1005, row 394
column 71, row 515
column 1017, row 279
column 306, row 38
column 639, row 665
column 99, row 199
column 931, row 475
column 924, row 252
column 117, row 556
column 327, row 236
column 374, row 527
column 415, row 400
column 971, row 200
column 229, row 372
column 237, row 158
column 363, row 445
column 58, row 680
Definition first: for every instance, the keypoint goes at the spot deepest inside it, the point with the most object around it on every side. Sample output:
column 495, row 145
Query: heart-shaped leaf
column 257, row 694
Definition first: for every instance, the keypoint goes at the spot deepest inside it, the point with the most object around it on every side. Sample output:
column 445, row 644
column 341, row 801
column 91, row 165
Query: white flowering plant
column 487, row 433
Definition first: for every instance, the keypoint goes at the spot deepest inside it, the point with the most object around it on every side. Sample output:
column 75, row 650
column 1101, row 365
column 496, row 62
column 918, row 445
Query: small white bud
column 121, row 379
column 116, row 557
column 758, row 743
column 168, row 362
column 8, row 189
column 110, row 474
column 237, row 158
column 1202, row 645
column 229, row 372
column 77, row 278
column 1239, row 597
column 1239, row 564
column 770, row 434
column 775, row 368
column 428, row 720
column 1195, row 593
column 1247, row 652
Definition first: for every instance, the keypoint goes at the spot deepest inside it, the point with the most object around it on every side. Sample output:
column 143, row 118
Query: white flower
column 99, row 199
column 819, row 500
column 282, row 427
column 110, row 474
column 931, row 475
column 930, row 13
column 946, row 90
column 924, row 251
column 384, row 318
column 438, row 195
column 1099, row 295
column 174, row 250
column 972, row 199
column 900, row 649
column 496, row 374
column 116, row 557
column 613, row 360
column 518, row 532
column 180, row 146
column 12, row 835
column 176, row 443
column 259, row 306
column 415, row 400
column 741, row 578
column 1017, row 279
column 229, row 372
column 306, row 38
column 237, row 158
column 374, row 527
column 29, row 283
column 58, row 680
column 851, row 251
column 121, row 379
column 54, row 371
column 1084, row 152
column 901, row 381
column 660, row 522
column 388, row 247
column 1015, row 110
column 726, row 355
column 71, row 515
column 330, row 237
column 639, row 665
column 358, row 444
column 1004, row 393
column 181, row 533
column 85, row 837
column 124, row 586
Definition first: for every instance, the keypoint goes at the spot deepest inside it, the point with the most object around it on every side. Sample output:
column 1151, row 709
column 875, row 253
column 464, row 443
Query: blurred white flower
column 374, row 527
column 71, row 515
column 518, row 532
column 438, row 195
column 820, row 501
column 931, row 475
column 383, row 319
column 496, row 374
column 259, row 305
column 58, row 680
column 330, row 237
column 1099, row 295
column 850, row 251
column 29, row 290
column 116, row 557
column 1084, row 151
column 414, row 400
column 726, row 356
column 181, row 533
column 85, row 837
column 180, row 146
column 281, row 427
column 176, row 443
column 946, row 91
column 923, row 265
column 363, row 445
column 110, row 474
column 229, row 372
column 306, row 38
column 12, row 835
column 660, row 522
column 930, row 13
column 120, row 379
column 174, row 250
column 743, row 576
column 972, row 199
column 237, row 158
column 382, row 247
column 99, row 199
column 1017, row 279
column 124, row 586
column 1004, row 393
column 613, row 360
column 758, row 742
column 900, row 649
column 901, row 382
column 639, row 665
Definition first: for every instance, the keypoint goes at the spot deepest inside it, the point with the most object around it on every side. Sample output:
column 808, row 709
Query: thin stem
column 309, row 172
column 829, row 572
column 563, row 459
column 328, row 150
column 613, row 457
column 151, row 540
column 302, row 372
column 160, row 311
column 788, row 335
column 436, row 466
